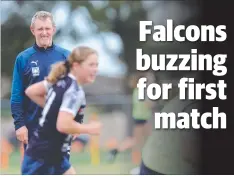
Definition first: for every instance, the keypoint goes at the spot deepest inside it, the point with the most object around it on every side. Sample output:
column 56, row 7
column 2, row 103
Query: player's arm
column 65, row 121
column 37, row 92
column 66, row 124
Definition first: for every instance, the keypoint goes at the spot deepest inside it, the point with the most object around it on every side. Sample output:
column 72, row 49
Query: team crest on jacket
column 35, row 68
column 35, row 71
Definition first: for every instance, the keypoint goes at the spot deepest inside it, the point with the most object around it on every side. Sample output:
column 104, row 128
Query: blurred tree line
column 16, row 35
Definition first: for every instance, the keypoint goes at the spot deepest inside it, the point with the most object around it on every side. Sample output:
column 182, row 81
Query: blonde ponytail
column 78, row 55
column 57, row 71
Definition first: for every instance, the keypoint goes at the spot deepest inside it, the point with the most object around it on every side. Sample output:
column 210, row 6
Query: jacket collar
column 35, row 46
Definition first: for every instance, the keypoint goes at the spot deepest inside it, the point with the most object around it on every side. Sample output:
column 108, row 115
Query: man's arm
column 17, row 94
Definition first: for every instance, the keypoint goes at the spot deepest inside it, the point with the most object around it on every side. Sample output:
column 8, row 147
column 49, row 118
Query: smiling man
column 33, row 65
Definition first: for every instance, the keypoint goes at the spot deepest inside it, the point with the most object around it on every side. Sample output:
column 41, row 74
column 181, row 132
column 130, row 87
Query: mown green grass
column 82, row 164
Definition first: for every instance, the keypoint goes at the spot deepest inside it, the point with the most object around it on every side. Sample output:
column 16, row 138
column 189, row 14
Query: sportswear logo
column 35, row 68
column 61, row 83
column 34, row 62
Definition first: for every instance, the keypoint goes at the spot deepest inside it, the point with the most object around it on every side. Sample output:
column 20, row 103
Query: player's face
column 43, row 30
column 87, row 70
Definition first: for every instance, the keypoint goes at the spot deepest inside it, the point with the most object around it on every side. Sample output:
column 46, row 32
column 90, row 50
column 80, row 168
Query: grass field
column 80, row 161
column 82, row 164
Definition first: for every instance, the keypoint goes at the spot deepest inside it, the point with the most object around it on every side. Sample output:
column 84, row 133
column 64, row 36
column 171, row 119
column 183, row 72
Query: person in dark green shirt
column 173, row 151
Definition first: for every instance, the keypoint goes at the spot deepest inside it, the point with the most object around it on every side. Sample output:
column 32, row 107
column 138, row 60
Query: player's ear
column 76, row 64
column 32, row 29
column 54, row 30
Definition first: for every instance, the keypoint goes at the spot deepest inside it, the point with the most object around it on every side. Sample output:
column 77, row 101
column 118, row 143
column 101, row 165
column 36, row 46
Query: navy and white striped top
column 47, row 142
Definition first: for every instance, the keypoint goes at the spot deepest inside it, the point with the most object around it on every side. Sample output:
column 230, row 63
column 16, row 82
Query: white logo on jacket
column 35, row 69
column 34, row 62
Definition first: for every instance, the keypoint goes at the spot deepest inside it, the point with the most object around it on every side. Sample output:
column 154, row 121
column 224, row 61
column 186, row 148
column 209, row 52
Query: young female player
column 47, row 151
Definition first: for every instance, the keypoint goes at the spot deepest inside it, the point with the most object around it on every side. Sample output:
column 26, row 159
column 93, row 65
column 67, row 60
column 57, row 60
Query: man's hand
column 22, row 134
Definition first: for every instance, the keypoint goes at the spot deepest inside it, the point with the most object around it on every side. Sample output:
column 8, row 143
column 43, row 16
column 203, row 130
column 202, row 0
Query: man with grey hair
column 33, row 65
